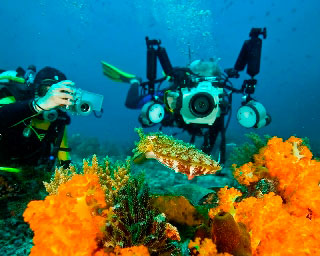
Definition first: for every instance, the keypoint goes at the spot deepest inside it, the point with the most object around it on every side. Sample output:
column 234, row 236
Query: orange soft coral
column 204, row 248
column 129, row 251
column 291, row 164
column 227, row 197
column 285, row 222
column 248, row 173
column 68, row 223
column 172, row 232
column 274, row 231
column 132, row 251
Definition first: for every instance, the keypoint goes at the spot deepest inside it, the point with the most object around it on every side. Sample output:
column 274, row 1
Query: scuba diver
column 34, row 114
column 34, row 109
column 199, row 97
column 33, row 128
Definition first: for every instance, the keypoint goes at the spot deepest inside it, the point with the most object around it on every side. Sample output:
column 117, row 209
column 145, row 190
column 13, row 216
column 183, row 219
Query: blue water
column 74, row 36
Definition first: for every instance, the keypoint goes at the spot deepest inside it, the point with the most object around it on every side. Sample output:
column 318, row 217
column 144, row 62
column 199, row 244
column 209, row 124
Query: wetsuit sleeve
column 13, row 113
column 133, row 97
column 133, row 100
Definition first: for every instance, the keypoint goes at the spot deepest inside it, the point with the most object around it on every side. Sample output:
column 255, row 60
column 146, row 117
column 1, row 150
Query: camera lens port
column 85, row 107
column 201, row 104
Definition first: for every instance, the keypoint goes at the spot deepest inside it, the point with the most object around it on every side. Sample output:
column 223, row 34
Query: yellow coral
column 61, row 176
column 110, row 181
column 113, row 181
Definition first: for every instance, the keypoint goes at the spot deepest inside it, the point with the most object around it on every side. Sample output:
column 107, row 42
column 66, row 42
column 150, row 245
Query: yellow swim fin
column 10, row 75
column 9, row 169
column 116, row 74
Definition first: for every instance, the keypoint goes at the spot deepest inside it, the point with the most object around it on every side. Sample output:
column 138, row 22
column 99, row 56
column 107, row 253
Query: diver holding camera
column 34, row 113
column 199, row 97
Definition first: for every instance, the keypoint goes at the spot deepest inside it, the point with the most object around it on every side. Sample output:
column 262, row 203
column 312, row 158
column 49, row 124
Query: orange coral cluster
column 68, row 223
column 204, row 248
column 249, row 173
column 172, row 232
column 227, row 197
column 175, row 154
column 274, row 231
column 111, row 181
column 130, row 251
column 291, row 164
column 285, row 223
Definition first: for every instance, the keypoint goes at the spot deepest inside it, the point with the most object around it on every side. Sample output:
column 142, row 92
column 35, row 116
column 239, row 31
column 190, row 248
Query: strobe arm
column 154, row 51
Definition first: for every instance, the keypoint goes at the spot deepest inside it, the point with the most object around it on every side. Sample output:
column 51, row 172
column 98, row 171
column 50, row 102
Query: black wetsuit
column 17, row 147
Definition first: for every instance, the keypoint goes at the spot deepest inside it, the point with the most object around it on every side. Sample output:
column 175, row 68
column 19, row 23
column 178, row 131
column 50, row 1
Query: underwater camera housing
column 197, row 105
column 85, row 102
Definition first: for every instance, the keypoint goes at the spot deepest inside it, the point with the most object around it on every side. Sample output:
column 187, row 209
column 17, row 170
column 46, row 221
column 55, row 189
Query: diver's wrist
column 36, row 106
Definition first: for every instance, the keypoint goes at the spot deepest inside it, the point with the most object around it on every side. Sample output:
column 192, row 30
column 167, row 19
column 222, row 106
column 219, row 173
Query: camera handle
column 154, row 51
column 250, row 53
column 250, row 56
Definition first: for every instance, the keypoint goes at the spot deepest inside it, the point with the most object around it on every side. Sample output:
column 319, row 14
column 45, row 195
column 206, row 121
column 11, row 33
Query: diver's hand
column 59, row 94
column 135, row 80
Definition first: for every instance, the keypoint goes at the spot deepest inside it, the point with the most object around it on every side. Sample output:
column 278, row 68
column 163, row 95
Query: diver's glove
column 59, row 94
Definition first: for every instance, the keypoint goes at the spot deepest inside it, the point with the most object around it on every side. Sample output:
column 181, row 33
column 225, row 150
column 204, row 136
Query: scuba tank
column 19, row 83
column 30, row 75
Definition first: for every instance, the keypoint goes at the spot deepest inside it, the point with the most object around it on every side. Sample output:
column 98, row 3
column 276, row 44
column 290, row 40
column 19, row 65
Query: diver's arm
column 133, row 97
column 13, row 113
column 59, row 94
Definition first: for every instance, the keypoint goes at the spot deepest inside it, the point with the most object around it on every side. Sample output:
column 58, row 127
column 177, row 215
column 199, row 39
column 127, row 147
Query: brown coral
column 178, row 210
column 229, row 236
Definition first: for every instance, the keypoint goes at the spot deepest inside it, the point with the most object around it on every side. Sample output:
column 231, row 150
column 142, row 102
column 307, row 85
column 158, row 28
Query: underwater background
column 75, row 36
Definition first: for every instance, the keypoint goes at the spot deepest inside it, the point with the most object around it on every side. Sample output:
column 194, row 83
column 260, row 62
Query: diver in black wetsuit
column 32, row 128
